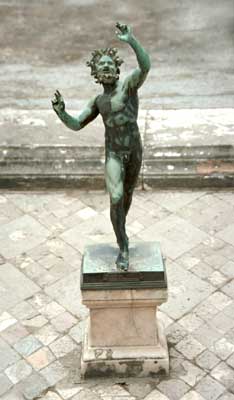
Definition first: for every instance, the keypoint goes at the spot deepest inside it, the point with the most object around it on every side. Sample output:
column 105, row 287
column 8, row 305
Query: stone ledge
column 181, row 148
column 83, row 167
column 199, row 166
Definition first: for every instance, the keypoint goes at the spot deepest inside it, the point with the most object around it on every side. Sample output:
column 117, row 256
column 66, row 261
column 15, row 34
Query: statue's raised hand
column 124, row 33
column 58, row 102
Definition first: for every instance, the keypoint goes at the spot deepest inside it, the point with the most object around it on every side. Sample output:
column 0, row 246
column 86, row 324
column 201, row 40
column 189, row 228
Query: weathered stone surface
column 52, row 310
column 207, row 360
column 110, row 390
column 77, row 332
column 6, row 320
column 209, row 388
column 192, row 395
column 14, row 333
column 191, row 322
column 93, row 230
column 16, row 286
column 47, row 334
column 187, row 291
column 63, row 346
column 51, row 396
column 227, row 234
column 175, row 333
column 68, row 391
column 5, row 384
column 228, row 269
column 223, row 348
column 86, row 394
column 175, row 235
column 34, row 323
column 63, row 322
column 207, row 336
column 174, row 389
column 227, row 396
column 27, row 345
column 26, row 233
column 41, row 358
column 155, row 394
column 67, row 290
column 13, row 394
column 229, row 288
column 24, row 310
column 224, row 374
column 54, row 373
column 18, row 371
column 8, row 356
column 192, row 374
column 221, row 322
column 202, row 270
column 39, row 300
column 212, row 306
column 230, row 361
column 33, row 386
column 140, row 391
column 190, row 347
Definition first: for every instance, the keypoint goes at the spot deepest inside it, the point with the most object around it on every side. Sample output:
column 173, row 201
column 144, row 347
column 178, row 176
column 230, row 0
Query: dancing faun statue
column 118, row 106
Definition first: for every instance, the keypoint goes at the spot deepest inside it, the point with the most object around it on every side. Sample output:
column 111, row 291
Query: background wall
column 44, row 46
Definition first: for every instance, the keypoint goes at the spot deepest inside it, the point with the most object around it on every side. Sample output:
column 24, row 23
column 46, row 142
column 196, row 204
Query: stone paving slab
column 42, row 319
column 15, row 286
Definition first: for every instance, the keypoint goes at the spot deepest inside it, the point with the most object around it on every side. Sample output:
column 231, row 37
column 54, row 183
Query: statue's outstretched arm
column 137, row 77
column 87, row 115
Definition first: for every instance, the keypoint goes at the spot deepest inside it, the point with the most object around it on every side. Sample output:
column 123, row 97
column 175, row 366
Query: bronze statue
column 118, row 106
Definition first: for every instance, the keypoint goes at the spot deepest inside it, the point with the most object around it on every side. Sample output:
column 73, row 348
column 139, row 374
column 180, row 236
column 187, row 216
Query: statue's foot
column 122, row 261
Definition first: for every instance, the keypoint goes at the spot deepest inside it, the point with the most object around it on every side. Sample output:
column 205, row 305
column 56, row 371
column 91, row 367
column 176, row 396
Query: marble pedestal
column 124, row 337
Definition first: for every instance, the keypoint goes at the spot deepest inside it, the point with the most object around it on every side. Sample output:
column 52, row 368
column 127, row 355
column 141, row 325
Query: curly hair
column 97, row 55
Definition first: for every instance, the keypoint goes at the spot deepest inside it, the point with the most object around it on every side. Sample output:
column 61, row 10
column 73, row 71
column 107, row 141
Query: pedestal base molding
column 125, row 361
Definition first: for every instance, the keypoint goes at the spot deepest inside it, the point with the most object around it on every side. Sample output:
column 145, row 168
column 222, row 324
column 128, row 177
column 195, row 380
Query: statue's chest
column 111, row 103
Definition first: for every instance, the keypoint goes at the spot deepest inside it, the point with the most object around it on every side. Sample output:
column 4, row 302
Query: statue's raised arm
column 137, row 77
column 89, row 113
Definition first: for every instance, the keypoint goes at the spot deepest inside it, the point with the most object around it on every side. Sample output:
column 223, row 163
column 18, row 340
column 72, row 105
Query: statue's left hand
column 124, row 32
column 58, row 102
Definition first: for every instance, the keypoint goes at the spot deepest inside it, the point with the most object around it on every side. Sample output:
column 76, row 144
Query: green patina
column 118, row 106
column 146, row 269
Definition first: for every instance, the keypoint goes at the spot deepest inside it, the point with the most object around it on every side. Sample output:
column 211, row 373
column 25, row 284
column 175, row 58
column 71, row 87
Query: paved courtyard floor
column 42, row 238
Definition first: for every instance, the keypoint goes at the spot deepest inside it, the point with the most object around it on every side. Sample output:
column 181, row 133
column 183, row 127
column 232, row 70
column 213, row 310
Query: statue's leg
column 114, row 175
column 131, row 175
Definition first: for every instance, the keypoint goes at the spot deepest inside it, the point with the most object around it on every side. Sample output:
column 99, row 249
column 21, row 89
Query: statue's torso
column 119, row 110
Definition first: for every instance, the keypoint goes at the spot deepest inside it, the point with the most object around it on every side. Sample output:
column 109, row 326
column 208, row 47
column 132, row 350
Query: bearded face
column 106, row 70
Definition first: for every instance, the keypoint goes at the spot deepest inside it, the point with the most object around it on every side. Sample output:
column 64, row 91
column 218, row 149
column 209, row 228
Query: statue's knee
column 116, row 197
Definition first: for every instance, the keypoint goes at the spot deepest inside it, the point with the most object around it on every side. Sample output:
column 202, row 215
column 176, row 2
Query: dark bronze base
column 146, row 267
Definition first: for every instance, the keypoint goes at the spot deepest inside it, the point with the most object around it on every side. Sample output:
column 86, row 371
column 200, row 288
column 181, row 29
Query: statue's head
column 105, row 65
